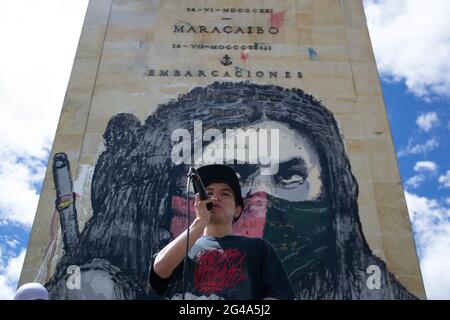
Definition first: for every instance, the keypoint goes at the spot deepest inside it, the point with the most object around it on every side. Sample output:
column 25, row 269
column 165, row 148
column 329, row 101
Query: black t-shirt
column 231, row 268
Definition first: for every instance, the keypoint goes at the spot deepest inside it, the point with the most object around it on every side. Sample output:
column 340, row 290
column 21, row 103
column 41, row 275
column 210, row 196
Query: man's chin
column 216, row 211
column 217, row 218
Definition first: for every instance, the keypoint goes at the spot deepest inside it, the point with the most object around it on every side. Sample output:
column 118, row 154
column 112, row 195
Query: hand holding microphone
column 201, row 206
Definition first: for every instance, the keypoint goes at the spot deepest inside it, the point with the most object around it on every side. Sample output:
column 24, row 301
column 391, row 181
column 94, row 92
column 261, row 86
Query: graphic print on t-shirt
column 218, row 269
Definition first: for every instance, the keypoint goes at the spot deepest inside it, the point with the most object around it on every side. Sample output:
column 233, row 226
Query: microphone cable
column 188, row 220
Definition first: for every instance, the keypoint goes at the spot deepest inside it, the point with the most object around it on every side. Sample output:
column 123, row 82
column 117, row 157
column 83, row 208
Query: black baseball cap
column 214, row 173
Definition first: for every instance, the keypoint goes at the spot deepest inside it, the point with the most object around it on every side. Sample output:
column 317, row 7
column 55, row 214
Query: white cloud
column 12, row 243
column 9, row 241
column 414, row 149
column 34, row 74
column 435, row 265
column 415, row 182
column 425, row 166
column 431, row 223
column 9, row 275
column 425, row 170
column 427, row 121
column 18, row 198
column 445, row 180
column 411, row 40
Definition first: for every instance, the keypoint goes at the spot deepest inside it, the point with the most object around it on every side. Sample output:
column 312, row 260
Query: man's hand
column 201, row 212
column 173, row 254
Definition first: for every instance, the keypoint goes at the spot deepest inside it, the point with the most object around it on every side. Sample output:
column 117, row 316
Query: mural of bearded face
column 306, row 208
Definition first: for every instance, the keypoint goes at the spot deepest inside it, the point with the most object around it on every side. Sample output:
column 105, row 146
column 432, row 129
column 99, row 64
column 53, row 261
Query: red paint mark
column 179, row 213
column 251, row 223
column 218, row 269
column 53, row 231
column 277, row 19
column 245, row 55
column 253, row 219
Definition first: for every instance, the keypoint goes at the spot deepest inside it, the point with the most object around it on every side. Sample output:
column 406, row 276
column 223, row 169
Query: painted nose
column 261, row 183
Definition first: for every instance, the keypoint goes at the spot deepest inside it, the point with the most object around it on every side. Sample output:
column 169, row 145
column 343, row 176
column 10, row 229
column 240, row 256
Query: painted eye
column 292, row 182
column 244, row 171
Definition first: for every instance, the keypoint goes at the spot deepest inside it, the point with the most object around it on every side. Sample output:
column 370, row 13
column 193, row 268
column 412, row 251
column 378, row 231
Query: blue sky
column 411, row 40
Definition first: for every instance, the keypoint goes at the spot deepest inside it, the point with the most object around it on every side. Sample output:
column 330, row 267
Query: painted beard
column 299, row 231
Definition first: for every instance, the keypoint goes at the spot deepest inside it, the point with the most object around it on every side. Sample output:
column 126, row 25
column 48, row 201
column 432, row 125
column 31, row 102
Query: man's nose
column 214, row 197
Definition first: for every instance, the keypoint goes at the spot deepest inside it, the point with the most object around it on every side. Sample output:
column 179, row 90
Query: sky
column 411, row 41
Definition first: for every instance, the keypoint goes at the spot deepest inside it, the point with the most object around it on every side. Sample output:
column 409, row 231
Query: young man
column 220, row 265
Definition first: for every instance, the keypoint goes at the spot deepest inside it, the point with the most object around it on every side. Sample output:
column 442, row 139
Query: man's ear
column 238, row 213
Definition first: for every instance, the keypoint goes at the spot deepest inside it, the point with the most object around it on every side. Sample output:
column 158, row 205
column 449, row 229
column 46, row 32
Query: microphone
column 198, row 184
